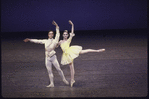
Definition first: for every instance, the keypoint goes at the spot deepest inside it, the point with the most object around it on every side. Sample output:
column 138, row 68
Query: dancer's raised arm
column 57, row 31
column 72, row 29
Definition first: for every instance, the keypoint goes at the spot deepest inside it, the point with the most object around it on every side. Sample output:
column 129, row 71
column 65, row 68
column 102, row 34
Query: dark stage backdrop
column 37, row 15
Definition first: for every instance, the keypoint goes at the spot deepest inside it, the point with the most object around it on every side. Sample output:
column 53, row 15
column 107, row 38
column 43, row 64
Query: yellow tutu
column 69, row 53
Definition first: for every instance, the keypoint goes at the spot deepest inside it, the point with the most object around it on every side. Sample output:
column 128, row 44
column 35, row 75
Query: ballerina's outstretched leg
column 91, row 50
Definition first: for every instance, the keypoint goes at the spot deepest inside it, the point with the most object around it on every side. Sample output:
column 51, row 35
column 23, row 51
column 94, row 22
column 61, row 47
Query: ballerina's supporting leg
column 72, row 73
column 91, row 50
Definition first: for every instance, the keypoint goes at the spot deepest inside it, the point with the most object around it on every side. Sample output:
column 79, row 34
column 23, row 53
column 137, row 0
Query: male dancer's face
column 50, row 34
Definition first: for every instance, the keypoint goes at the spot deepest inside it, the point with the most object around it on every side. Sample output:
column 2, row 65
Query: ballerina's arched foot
column 101, row 50
column 72, row 82
column 51, row 85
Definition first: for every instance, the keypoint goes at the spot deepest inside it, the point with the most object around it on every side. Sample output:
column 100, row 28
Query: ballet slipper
column 101, row 50
column 51, row 85
column 72, row 82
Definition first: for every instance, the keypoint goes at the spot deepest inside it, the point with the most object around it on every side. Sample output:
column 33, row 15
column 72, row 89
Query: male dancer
column 50, row 57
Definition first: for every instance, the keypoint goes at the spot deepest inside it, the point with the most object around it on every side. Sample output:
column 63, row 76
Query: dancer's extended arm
column 72, row 30
column 35, row 41
column 57, row 31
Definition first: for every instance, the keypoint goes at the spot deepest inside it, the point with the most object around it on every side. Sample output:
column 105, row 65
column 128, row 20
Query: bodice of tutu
column 65, row 45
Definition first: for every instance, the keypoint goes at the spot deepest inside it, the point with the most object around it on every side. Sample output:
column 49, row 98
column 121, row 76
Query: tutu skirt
column 70, row 54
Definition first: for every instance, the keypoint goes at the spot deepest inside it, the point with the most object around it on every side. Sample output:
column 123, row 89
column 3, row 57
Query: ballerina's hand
column 26, row 40
column 70, row 22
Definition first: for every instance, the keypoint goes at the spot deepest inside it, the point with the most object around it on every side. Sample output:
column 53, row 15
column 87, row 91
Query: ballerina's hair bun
column 66, row 31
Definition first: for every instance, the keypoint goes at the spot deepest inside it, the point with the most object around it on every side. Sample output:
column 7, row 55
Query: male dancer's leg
column 49, row 69
column 57, row 66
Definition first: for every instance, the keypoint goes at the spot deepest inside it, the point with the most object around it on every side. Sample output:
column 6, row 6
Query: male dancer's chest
column 48, row 43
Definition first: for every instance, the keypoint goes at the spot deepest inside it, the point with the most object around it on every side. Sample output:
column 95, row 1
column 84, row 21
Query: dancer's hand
column 54, row 23
column 70, row 22
column 26, row 40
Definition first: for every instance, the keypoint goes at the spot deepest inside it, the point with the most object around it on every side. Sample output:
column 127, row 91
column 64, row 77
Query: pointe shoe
column 51, row 85
column 101, row 50
column 72, row 82
column 66, row 82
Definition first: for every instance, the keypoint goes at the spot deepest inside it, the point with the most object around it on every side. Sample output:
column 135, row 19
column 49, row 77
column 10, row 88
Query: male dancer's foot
column 72, row 82
column 51, row 85
column 65, row 81
column 101, row 50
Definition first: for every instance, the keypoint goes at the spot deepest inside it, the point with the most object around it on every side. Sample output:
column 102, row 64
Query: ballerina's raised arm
column 72, row 28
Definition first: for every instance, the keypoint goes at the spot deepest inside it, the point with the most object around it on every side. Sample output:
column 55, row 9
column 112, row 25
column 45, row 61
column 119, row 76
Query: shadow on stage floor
column 120, row 71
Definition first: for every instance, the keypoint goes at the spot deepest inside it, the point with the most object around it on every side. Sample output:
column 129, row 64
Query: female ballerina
column 71, row 52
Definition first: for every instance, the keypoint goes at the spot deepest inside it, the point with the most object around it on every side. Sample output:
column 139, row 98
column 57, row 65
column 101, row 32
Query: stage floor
column 120, row 71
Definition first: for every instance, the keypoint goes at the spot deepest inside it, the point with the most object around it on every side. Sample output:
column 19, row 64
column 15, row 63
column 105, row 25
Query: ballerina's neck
column 65, row 39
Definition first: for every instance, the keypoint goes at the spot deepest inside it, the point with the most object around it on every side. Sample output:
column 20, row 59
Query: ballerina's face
column 65, row 35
